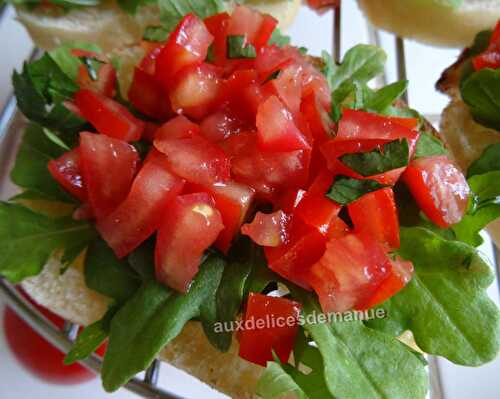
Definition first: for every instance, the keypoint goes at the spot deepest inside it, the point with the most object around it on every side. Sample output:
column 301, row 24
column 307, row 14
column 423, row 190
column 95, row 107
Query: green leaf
column 236, row 48
column 428, row 146
column 391, row 156
column 152, row 318
column 345, row 190
column 30, row 170
column 445, row 305
column 363, row 363
column 54, row 137
column 28, row 240
column 489, row 161
column 107, row 274
column 275, row 382
column 90, row 339
column 142, row 260
column 279, row 39
column 155, row 34
column 172, row 11
column 67, row 62
column 378, row 101
column 480, row 92
column 330, row 68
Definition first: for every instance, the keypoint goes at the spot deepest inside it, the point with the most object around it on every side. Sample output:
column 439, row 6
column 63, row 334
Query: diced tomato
column 221, row 124
column 401, row 274
column 150, row 129
column 146, row 95
column 439, row 188
column 350, row 272
column 195, row 159
column 148, row 63
column 271, row 59
column 289, row 199
column 491, row 57
column 268, row 229
column 376, row 214
column 179, row 127
column 256, row 27
column 288, row 87
column 276, row 129
column 140, row 214
column 317, row 117
column 217, row 26
column 108, row 167
column 105, row 82
column 186, row 46
column 196, row 90
column 66, row 170
column 338, row 228
column 294, row 259
column 190, row 226
column 261, row 336
column 108, row 116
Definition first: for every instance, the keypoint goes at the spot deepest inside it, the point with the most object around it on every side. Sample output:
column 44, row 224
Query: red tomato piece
column 179, row 127
column 150, row 129
column 195, row 159
column 294, row 259
column 108, row 116
column 317, row 117
column 108, row 167
column 349, row 273
column 148, row 63
column 491, row 57
column 376, row 214
column 268, row 229
column 105, row 82
column 338, row 228
column 186, row 46
column 439, row 187
column 271, row 59
column 270, row 325
column 256, row 27
column 147, row 96
column 217, row 26
column 222, row 124
column 139, row 215
column 66, row 170
column 276, row 129
column 289, row 200
column 196, row 90
column 190, row 226
column 288, row 87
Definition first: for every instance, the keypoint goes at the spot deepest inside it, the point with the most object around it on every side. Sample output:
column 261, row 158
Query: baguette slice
column 427, row 21
column 110, row 27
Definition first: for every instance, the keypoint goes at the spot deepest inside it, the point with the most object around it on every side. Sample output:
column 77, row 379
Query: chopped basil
column 236, row 48
column 345, row 190
column 428, row 146
column 210, row 54
column 273, row 76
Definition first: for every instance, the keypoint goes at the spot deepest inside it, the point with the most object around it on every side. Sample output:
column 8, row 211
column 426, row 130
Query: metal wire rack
column 147, row 387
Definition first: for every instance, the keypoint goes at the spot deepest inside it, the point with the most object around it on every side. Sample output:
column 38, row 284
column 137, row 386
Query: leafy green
column 54, row 137
column 480, row 92
column 378, row 101
column 489, row 161
column 67, row 62
column 28, row 239
column 428, row 146
column 279, row 39
column 30, row 171
column 236, row 48
column 275, row 382
column 391, row 156
column 151, row 319
column 155, row 34
column 345, row 190
column 445, row 305
column 142, row 260
column 360, row 362
column 171, row 11
column 107, row 274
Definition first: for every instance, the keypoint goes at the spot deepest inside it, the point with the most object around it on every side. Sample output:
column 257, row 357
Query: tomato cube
column 104, row 84
column 66, row 170
column 179, row 127
column 268, row 230
column 256, row 27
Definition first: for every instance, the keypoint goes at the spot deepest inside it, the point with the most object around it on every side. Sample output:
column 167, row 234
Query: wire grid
column 147, row 387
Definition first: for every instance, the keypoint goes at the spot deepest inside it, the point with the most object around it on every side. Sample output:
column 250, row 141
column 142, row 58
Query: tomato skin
column 190, row 226
column 105, row 83
column 287, row 86
column 349, row 273
column 222, row 124
column 187, row 45
column 66, row 170
column 217, row 26
column 491, row 57
column 148, row 63
column 317, row 117
column 140, row 214
column 257, row 344
column 179, row 127
column 256, row 27
column 376, row 214
column 439, row 188
column 276, row 130
column 268, row 230
column 196, row 90
column 108, row 116
column 108, row 167
column 147, row 96
column 195, row 159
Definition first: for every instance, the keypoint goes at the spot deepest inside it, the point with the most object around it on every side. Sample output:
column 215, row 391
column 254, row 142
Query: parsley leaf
column 29, row 239
column 345, row 190
column 378, row 101
column 428, row 146
column 66, row 61
column 172, row 11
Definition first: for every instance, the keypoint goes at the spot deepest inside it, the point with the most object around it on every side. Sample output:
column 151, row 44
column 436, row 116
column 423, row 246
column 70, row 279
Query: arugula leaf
column 345, row 190
column 275, row 382
column 391, row 156
column 30, row 171
column 445, row 305
column 489, row 161
column 354, row 366
column 172, row 11
column 66, row 61
column 155, row 34
column 378, row 101
column 236, row 48
column 28, row 239
column 90, row 338
column 428, row 146
column 107, row 274
column 480, row 92
column 279, row 39
column 150, row 320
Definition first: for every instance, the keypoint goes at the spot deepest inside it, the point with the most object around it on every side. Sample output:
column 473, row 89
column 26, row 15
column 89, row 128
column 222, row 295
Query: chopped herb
column 237, row 48
column 345, row 190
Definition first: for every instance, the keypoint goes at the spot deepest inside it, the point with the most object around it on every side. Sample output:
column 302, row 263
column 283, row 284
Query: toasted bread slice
column 432, row 22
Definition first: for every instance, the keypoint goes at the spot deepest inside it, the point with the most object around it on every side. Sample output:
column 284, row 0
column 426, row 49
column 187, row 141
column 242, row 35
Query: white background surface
column 424, row 68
